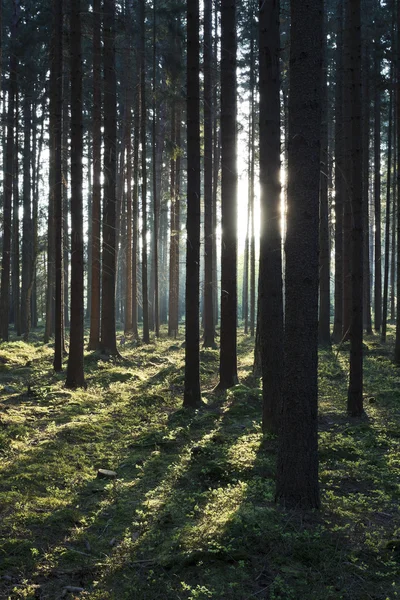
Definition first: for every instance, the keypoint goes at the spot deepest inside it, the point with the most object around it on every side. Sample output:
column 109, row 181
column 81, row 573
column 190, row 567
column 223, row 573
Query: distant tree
column 143, row 116
column 324, row 333
column 75, row 373
column 8, row 181
column 297, row 470
column 377, row 173
column 56, row 126
column 209, row 329
column 339, row 179
column 108, row 342
column 192, row 395
column 94, row 339
column 270, row 322
column 355, row 391
column 228, row 344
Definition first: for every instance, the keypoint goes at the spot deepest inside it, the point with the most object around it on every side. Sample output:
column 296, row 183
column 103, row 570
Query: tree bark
column 355, row 391
column 270, row 279
column 297, row 469
column 108, row 342
column 228, row 346
column 192, row 394
column 75, row 372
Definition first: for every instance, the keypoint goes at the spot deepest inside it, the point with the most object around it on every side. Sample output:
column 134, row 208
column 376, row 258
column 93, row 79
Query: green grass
column 191, row 514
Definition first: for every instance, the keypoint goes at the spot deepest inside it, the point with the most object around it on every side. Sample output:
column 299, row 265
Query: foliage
column 191, row 514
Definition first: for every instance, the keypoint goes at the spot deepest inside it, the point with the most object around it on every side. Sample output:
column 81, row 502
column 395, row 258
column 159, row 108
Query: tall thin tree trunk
column 192, row 394
column 94, row 339
column 270, row 322
column 324, row 334
column 75, row 373
column 209, row 329
column 15, row 228
column 388, row 211
column 355, row 391
column 8, row 182
column 228, row 347
column 108, row 341
column 143, row 118
column 56, row 125
column 339, row 181
column 377, row 193
column 365, row 151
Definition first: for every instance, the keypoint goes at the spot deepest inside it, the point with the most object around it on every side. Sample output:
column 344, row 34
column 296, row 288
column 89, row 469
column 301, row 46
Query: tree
column 56, row 125
column 192, row 394
column 228, row 353
column 143, row 116
column 75, row 373
column 209, row 329
column 297, row 470
column 8, row 181
column 108, row 341
column 94, row 339
column 355, row 391
column 270, row 279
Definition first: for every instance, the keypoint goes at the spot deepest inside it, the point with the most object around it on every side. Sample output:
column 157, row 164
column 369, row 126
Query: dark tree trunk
column 56, row 125
column 394, row 222
column 251, row 185
column 388, row 211
column 377, row 194
column 365, row 152
column 228, row 353
column 270, row 279
column 94, row 339
column 324, row 334
column 135, row 208
column 15, row 270
column 209, row 329
column 8, row 182
column 156, row 200
column 192, row 394
column 108, row 342
column 297, row 469
column 355, row 392
column 397, row 341
column 143, row 115
column 27, row 231
column 75, row 373
column 339, row 181
column 173, row 305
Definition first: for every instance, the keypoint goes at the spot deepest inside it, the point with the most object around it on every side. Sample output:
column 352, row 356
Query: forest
column 199, row 299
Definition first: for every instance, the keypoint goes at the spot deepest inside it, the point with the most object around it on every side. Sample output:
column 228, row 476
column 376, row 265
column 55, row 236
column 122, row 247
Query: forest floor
column 191, row 513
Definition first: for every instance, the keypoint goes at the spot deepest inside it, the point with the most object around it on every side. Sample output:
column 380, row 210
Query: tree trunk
column 108, row 342
column 355, row 391
column 56, row 125
column 192, row 394
column 365, row 152
column 228, row 355
column 339, row 181
column 94, row 339
column 388, row 211
column 377, row 194
column 27, row 230
column 209, row 329
column 324, row 334
column 8, row 182
column 143, row 117
column 75, row 373
column 15, row 228
column 270, row 322
column 297, row 469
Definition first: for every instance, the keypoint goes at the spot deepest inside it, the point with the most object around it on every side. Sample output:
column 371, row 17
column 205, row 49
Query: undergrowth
column 191, row 513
